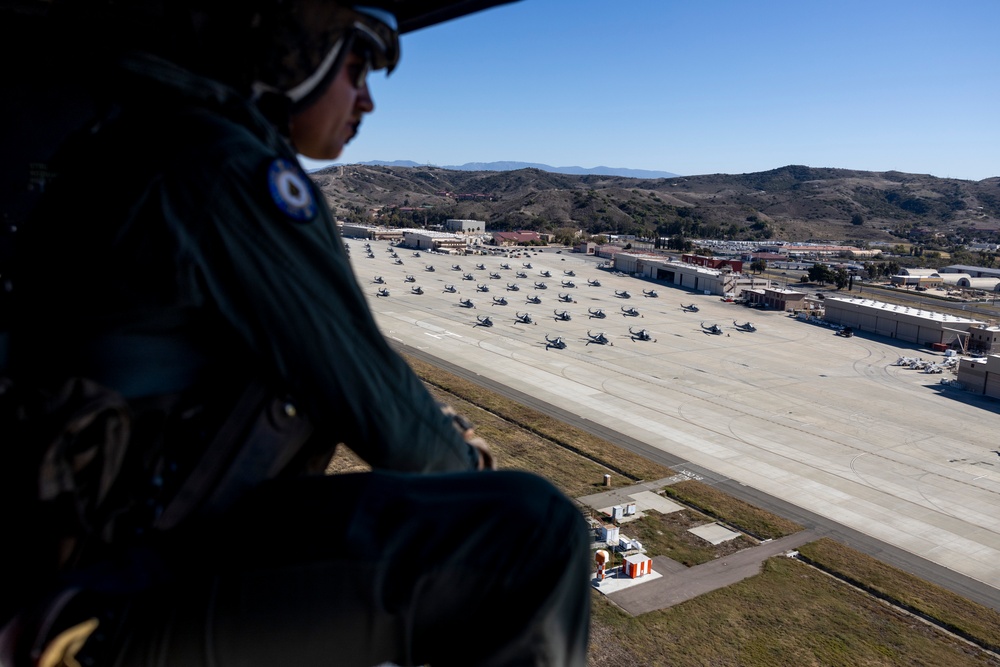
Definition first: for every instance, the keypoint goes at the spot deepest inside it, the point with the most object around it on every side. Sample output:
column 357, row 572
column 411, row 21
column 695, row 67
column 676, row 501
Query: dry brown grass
column 790, row 614
column 960, row 615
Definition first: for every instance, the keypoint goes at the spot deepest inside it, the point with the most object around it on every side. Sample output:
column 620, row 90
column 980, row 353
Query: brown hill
column 793, row 203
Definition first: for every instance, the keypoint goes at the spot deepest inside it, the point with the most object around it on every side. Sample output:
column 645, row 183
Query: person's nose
column 365, row 103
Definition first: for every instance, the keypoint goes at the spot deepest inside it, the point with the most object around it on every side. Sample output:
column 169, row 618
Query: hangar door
column 992, row 385
column 907, row 331
column 663, row 274
column 885, row 326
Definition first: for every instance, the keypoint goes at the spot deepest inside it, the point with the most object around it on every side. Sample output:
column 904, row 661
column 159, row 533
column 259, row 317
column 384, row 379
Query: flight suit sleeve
column 271, row 262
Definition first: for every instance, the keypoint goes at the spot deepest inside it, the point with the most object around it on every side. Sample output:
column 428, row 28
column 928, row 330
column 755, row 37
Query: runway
column 824, row 429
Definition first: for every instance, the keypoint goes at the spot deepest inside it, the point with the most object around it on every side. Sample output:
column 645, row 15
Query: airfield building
column 422, row 239
column 679, row 274
column 775, row 299
column 980, row 375
column 355, row 231
column 985, row 284
column 917, row 277
column 984, row 340
column 914, row 325
column 465, row 226
column 972, row 271
column 637, row 565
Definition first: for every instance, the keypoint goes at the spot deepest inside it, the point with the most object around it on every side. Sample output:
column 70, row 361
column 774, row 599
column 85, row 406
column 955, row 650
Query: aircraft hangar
column 678, row 274
column 913, row 325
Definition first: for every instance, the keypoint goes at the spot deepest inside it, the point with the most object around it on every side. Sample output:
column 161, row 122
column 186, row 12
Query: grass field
column 833, row 606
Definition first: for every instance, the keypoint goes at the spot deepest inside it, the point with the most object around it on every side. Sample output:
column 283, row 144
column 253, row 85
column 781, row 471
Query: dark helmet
column 300, row 46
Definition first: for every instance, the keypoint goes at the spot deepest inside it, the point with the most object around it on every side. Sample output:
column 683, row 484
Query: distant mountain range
column 514, row 166
column 795, row 202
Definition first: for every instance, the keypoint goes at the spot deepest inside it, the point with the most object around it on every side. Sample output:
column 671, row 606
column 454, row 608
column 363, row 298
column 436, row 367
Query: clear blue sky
column 699, row 87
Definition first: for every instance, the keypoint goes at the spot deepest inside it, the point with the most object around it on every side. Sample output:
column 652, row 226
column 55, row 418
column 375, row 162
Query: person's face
column 321, row 130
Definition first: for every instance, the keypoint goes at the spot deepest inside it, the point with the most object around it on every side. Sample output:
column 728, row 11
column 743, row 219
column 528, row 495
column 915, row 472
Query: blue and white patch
column 290, row 191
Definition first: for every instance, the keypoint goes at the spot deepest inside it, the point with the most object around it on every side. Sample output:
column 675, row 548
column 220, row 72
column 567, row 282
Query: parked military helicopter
column 630, row 312
column 392, row 253
column 481, row 267
column 456, row 267
column 593, row 283
column 483, row 321
column 430, row 267
column 541, row 286
column 417, row 290
column 499, row 301
column 482, row 288
column 494, row 276
column 690, row 309
column 409, row 279
column 526, row 265
column 650, row 293
column 505, row 266
column 556, row 342
column 513, row 287
column 562, row 315
column 599, row 313
column 416, row 254
column 383, row 292
column 622, row 294
column 371, row 255
column 450, row 288
column 468, row 276
column 568, row 283
column 398, row 261
column 524, row 318
column 534, row 298
column 642, row 334
column 521, row 274
column 715, row 329
column 379, row 280
column 569, row 273
column 599, row 339
column 566, row 298
column 545, row 274
column 466, row 303
column 745, row 327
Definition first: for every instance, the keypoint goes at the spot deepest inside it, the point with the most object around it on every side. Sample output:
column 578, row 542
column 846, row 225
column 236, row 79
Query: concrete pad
column 714, row 533
column 617, row 581
column 647, row 500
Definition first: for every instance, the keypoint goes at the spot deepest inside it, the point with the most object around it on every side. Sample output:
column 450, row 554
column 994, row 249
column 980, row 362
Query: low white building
column 903, row 322
column 465, row 226
column 422, row 239
column 679, row 274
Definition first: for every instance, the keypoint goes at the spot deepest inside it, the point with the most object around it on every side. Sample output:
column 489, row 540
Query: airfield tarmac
column 791, row 411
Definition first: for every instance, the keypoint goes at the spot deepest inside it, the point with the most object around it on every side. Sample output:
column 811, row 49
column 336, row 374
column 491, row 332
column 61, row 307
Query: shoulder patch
column 290, row 191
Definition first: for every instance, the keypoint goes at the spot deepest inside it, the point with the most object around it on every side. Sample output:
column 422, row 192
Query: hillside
column 794, row 203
